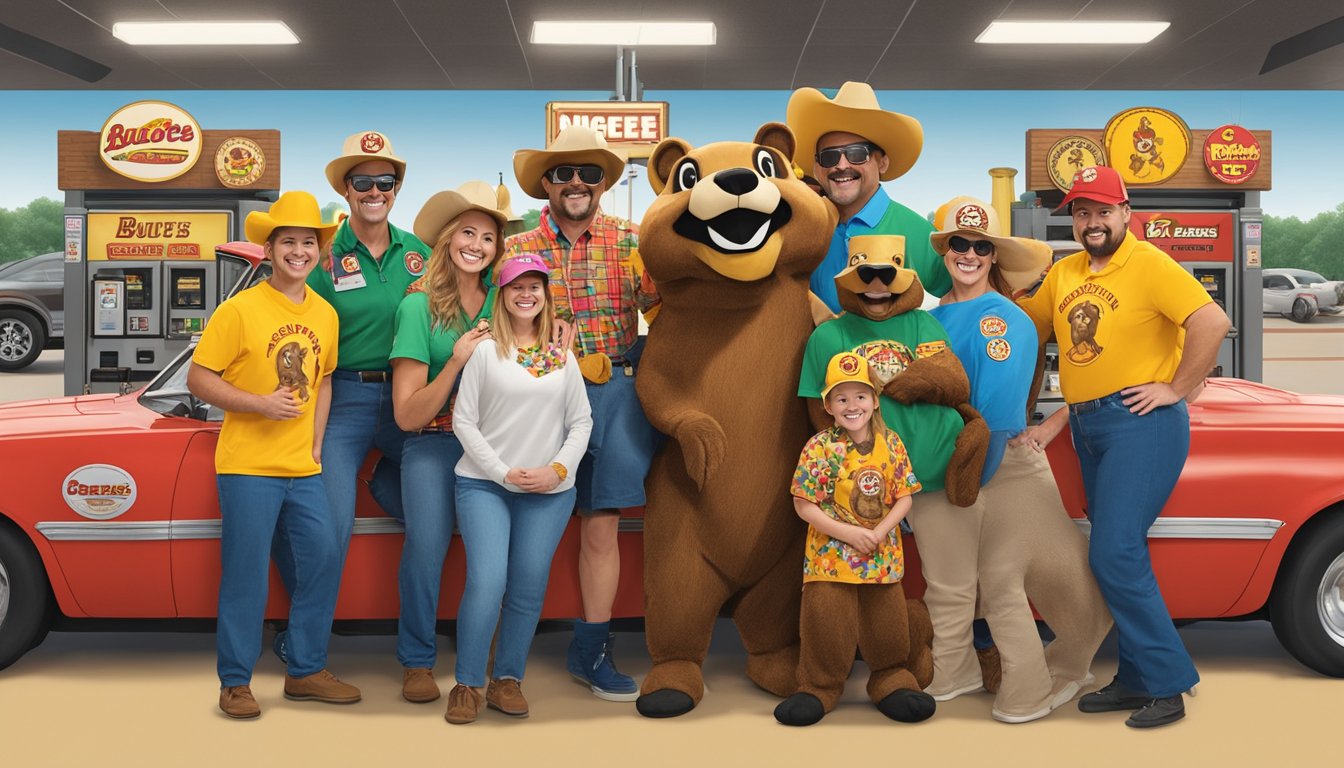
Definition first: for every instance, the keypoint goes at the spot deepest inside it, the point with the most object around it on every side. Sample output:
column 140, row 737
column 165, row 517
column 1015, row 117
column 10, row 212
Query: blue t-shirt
column 996, row 343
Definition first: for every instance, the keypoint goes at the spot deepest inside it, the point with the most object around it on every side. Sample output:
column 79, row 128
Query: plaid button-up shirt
column 596, row 283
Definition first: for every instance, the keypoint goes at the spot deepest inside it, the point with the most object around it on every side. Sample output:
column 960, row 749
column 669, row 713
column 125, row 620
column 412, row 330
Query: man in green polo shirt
column 368, row 270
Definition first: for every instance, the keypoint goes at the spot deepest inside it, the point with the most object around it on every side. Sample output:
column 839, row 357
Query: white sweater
column 507, row 418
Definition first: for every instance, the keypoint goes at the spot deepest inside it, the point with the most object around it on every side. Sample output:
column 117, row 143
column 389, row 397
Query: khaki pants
column 1015, row 543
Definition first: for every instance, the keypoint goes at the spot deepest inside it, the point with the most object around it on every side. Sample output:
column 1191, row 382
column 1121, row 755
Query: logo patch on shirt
column 929, row 348
column 868, row 492
column 998, row 349
column 886, row 359
column 415, row 263
column 992, row 326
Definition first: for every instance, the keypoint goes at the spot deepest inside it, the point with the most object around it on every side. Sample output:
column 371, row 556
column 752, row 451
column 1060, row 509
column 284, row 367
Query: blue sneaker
column 589, row 661
column 281, row 646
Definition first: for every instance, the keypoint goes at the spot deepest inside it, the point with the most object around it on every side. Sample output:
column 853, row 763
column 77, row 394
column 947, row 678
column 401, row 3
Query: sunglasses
column 363, row 183
column 961, row 245
column 856, row 154
column 588, row 174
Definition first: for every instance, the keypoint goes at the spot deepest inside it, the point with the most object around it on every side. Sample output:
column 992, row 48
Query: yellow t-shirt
column 260, row 340
column 1119, row 327
column 857, row 489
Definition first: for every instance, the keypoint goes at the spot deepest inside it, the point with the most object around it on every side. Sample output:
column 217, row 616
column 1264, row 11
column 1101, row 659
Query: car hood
column 1249, row 403
column 63, row 415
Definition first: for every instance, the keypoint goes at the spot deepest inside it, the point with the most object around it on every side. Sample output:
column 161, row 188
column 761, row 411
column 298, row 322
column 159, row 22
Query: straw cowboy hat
column 443, row 207
column 1020, row 259
column 575, row 145
column 853, row 110
column 360, row 148
column 293, row 209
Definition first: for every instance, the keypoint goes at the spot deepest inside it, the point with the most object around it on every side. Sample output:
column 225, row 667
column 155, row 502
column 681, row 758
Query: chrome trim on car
column 1253, row 528
column 187, row 530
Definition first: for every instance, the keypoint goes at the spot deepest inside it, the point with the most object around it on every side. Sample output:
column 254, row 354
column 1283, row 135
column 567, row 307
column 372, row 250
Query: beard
column 1107, row 247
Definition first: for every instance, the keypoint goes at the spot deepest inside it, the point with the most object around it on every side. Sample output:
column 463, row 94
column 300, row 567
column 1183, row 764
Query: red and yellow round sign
column 150, row 141
column 1146, row 145
column 1232, row 154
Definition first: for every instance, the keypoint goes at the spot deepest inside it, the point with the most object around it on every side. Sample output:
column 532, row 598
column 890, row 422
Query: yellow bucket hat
column 360, row 148
column 293, row 209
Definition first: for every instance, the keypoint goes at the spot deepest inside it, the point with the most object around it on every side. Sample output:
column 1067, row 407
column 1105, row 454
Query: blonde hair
column 501, row 327
column 441, row 278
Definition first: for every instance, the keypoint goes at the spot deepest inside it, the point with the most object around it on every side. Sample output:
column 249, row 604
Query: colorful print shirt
column 856, row 489
column 595, row 282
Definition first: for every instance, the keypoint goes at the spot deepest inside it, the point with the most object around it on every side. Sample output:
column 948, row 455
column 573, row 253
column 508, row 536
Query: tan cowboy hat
column 853, row 110
column 443, row 207
column 293, row 209
column 360, row 148
column 1020, row 259
column 575, row 145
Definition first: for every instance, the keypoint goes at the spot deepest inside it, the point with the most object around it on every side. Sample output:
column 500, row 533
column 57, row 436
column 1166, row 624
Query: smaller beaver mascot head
column 876, row 283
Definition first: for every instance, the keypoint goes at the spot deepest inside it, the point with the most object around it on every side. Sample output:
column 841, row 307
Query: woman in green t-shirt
column 442, row 319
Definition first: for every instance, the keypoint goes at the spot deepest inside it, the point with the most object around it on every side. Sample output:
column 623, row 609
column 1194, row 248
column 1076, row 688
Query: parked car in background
column 32, row 309
column 1300, row 295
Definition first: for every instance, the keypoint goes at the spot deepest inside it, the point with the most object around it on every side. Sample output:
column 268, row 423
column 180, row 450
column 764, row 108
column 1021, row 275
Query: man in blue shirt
column 852, row 145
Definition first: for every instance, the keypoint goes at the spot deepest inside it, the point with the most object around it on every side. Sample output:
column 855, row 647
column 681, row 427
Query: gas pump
column 144, row 220
column 1204, row 218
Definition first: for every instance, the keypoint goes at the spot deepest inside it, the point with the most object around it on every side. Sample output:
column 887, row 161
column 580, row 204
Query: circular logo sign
column 239, row 162
column 415, row 263
column 99, row 491
column 1070, row 155
column 150, row 141
column 1232, row 154
column 1146, row 145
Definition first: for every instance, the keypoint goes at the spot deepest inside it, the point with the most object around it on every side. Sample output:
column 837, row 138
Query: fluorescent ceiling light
column 629, row 33
column 204, row 33
column 1072, row 32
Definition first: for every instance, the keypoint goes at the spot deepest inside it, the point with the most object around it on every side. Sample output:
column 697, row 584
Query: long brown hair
column 441, row 280
column 501, row 326
column 998, row 282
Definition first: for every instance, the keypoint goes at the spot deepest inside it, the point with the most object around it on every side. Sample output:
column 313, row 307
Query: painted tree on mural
column 1316, row 244
column 30, row 230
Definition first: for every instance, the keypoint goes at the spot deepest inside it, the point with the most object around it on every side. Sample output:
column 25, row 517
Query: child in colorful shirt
column 853, row 486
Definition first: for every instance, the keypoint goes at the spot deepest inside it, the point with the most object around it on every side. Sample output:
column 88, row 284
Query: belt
column 368, row 377
column 1088, row 406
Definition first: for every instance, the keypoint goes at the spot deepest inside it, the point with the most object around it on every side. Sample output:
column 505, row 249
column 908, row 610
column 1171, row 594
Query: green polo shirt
column 368, row 313
column 418, row 339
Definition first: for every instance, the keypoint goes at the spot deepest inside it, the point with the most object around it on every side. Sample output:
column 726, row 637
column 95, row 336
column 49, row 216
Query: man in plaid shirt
column 600, row 288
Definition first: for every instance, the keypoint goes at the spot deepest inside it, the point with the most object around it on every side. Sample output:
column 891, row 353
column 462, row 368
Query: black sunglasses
column 363, row 183
column 885, row 273
column 962, row 245
column 588, row 174
column 856, row 154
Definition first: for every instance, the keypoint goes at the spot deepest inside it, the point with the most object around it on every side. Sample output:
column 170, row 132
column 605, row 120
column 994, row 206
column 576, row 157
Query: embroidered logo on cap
column 972, row 216
column 372, row 142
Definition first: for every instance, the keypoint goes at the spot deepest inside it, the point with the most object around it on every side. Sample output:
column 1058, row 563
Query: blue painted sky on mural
column 448, row 137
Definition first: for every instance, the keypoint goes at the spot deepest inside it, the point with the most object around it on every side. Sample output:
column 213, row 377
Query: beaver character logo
column 1146, row 149
column 1083, row 321
column 865, row 501
column 289, row 369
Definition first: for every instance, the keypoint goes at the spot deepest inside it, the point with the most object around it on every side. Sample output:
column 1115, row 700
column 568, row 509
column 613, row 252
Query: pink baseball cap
column 521, row 264
column 1097, row 182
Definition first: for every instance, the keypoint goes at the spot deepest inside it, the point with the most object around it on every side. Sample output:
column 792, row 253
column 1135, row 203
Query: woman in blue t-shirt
column 443, row 317
column 1017, row 541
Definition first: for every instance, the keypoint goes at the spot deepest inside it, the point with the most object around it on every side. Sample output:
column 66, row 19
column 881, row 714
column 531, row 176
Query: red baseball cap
column 1097, row 182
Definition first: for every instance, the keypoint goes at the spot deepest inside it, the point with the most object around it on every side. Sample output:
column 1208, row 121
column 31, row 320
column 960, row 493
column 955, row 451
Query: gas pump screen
column 188, row 289
column 139, row 289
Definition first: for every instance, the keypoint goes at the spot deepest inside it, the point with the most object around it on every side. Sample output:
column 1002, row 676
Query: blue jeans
column 1130, row 465
column 510, row 539
column 254, row 509
column 428, row 486
column 620, row 449
column 361, row 418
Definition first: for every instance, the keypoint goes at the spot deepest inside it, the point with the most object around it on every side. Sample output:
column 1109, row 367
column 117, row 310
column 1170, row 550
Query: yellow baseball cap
column 846, row 366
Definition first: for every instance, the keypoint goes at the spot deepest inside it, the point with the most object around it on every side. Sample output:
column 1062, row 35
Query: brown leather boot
column 237, row 702
column 418, row 686
column 464, row 703
column 991, row 668
column 506, row 695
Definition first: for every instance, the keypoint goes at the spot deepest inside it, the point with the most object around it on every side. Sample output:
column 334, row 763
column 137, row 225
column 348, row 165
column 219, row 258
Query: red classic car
column 111, row 512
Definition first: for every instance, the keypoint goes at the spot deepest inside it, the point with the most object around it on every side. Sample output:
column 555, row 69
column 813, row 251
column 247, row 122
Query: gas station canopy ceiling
column 762, row 44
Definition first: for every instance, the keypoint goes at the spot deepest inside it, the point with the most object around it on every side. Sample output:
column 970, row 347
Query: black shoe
column 800, row 709
column 1113, row 698
column 1158, row 712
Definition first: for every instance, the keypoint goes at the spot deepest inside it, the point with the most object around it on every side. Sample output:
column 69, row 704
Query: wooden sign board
column 79, row 166
column 1193, row 174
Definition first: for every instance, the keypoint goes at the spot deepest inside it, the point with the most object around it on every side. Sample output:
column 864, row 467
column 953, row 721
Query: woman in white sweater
column 524, row 421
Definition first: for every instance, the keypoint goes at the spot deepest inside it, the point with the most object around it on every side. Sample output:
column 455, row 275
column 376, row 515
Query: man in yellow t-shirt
column 1117, row 310
column 266, row 359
